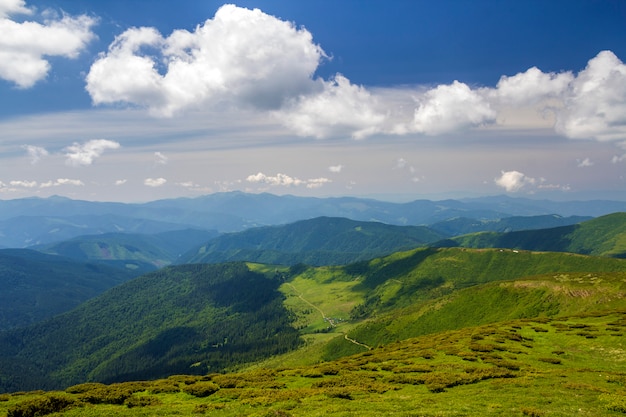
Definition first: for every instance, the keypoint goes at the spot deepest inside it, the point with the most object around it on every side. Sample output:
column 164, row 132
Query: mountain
column 191, row 318
column 603, row 236
column 462, row 225
column 36, row 286
column 135, row 251
column 211, row 318
column 30, row 221
column 319, row 241
column 27, row 231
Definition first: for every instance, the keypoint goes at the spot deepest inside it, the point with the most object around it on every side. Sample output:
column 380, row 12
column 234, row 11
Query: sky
column 399, row 100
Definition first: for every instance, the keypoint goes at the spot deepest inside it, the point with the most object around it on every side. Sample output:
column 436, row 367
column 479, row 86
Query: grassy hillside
column 135, row 251
column 37, row 286
column 462, row 225
column 193, row 319
column 603, row 236
column 533, row 367
column 319, row 241
column 206, row 318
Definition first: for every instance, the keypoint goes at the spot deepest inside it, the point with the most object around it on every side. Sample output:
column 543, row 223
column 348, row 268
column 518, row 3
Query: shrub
column 86, row 387
column 201, row 389
column 42, row 406
column 141, row 401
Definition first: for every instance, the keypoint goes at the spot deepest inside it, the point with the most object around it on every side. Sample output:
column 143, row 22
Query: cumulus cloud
column 335, row 168
column 532, row 86
column 448, row 108
column 286, row 180
column 85, row 153
column 513, row 181
column 36, row 153
column 120, row 182
column 595, row 103
column 584, row 163
column 154, row 182
column 339, row 107
column 240, row 56
column 24, row 46
column 62, row 181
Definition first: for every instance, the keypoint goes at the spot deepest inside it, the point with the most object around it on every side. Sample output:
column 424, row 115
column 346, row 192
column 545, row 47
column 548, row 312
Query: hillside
column 207, row 318
column 463, row 225
column 319, row 241
column 603, row 236
column 145, row 251
column 37, row 286
column 532, row 367
column 192, row 318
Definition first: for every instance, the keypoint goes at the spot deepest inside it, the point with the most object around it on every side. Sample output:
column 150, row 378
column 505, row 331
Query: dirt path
column 326, row 318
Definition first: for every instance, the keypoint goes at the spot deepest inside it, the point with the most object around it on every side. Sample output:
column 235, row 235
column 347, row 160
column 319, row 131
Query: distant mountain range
column 35, row 221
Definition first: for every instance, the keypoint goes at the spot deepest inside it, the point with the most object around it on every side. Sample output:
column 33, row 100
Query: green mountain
column 319, row 241
column 463, row 225
column 602, row 236
column 135, row 251
column 36, row 286
column 195, row 319
column 185, row 319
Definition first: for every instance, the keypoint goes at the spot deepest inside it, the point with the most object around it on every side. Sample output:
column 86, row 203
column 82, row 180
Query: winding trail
column 326, row 318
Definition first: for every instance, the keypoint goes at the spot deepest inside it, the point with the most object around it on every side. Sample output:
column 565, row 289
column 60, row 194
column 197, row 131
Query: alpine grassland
column 427, row 332
column 570, row 365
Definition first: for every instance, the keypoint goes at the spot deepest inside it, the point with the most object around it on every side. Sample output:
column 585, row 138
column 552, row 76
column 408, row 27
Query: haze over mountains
column 33, row 221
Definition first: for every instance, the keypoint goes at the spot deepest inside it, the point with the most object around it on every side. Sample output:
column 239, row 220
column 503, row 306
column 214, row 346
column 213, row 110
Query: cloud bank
column 24, row 46
column 245, row 58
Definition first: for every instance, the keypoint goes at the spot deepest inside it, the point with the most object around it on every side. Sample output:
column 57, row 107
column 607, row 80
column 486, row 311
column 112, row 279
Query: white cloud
column 241, row 57
column 24, row 184
column 61, row 181
column 448, row 108
column 23, row 45
column 317, row 182
column 335, row 168
column 36, row 153
column 121, row 182
column 339, row 107
column 154, row 182
column 584, row 163
column 513, row 181
column 160, row 158
column 86, row 153
column 532, row 86
column 286, row 180
column 595, row 103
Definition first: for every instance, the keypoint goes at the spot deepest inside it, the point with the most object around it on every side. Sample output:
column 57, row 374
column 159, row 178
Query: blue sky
column 137, row 100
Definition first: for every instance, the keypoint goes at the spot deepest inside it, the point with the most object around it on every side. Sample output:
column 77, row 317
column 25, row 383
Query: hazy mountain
column 603, row 236
column 319, row 241
column 463, row 225
column 36, row 286
column 24, row 222
column 150, row 251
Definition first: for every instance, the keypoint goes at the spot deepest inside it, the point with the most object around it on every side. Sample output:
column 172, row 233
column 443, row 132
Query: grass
column 529, row 367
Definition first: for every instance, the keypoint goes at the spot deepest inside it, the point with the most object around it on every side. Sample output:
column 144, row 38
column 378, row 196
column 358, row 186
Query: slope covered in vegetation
column 37, row 286
column 603, row 236
column 532, row 367
column 319, row 241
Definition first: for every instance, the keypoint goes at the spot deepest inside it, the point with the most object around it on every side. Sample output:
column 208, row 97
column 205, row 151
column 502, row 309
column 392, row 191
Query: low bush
column 201, row 389
column 42, row 406
column 141, row 401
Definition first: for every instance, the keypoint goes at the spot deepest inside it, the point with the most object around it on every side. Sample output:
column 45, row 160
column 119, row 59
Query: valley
column 346, row 317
